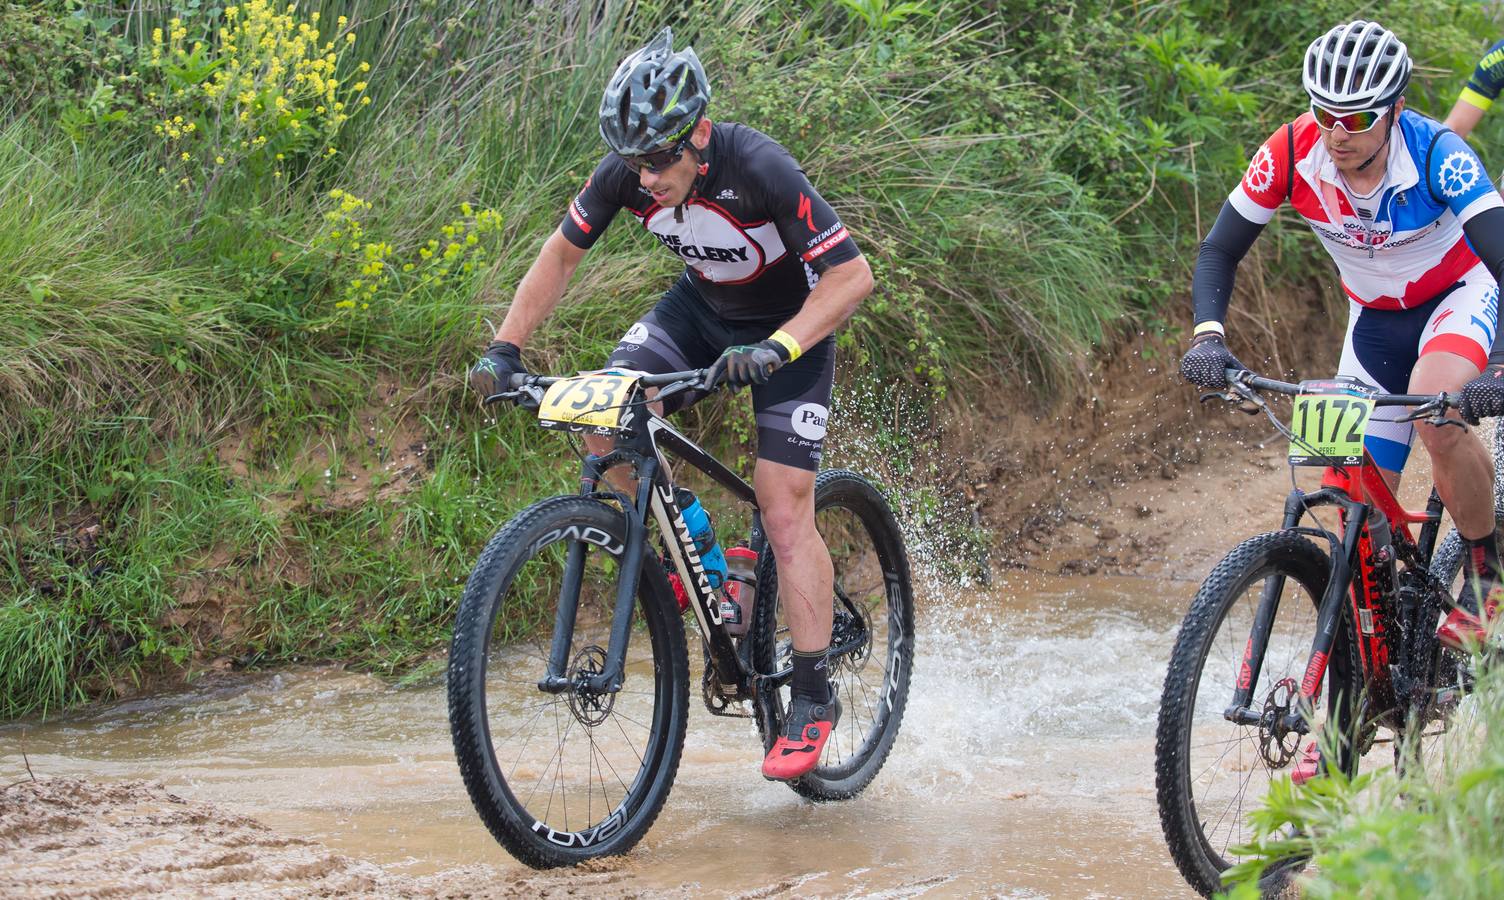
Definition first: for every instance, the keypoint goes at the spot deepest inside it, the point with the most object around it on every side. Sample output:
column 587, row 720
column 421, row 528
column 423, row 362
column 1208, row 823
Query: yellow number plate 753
column 593, row 400
column 1329, row 421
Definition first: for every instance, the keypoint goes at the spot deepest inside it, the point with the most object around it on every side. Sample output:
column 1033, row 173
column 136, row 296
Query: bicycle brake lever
column 528, row 397
column 1241, row 402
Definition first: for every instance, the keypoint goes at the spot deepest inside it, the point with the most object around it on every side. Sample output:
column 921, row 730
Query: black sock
column 811, row 679
column 1481, row 557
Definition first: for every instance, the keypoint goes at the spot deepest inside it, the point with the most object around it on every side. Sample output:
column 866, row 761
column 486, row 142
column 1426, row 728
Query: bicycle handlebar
column 1442, row 401
column 527, row 389
column 1430, row 407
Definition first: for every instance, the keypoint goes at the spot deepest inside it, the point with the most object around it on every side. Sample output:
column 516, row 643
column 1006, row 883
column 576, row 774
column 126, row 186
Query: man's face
column 670, row 186
column 1349, row 151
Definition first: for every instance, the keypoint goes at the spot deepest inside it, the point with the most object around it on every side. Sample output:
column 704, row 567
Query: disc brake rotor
column 850, row 627
column 1278, row 744
column 590, row 707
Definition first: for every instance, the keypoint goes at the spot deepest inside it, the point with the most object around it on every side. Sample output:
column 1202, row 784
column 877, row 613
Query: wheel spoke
column 577, row 779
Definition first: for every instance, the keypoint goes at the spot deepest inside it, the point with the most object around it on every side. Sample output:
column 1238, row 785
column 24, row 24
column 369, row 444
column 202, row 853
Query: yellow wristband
column 788, row 342
column 1206, row 326
column 1474, row 98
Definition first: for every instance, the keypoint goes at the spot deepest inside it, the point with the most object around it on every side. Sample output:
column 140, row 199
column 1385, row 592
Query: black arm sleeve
column 1488, row 243
column 1225, row 246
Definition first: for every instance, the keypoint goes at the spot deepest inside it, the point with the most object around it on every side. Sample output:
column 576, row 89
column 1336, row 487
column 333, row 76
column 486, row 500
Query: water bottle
column 741, row 590
column 701, row 532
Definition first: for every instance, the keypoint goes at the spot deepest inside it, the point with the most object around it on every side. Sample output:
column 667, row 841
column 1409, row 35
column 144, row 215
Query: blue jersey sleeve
column 1488, row 78
column 1458, row 179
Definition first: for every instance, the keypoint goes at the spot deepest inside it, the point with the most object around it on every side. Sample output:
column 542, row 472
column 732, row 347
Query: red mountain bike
column 1279, row 615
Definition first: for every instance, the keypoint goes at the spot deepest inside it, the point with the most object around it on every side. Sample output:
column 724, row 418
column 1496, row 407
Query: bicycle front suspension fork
column 1329, row 614
column 609, row 679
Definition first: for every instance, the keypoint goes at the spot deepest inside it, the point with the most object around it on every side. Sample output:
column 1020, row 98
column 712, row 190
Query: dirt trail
column 65, row 837
column 70, row 838
column 1152, row 493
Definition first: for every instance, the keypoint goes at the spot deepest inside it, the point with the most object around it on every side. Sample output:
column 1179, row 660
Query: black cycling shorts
column 792, row 409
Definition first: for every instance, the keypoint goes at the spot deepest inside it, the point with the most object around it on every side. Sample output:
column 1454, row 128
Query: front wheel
column 559, row 778
column 1210, row 772
column 873, row 614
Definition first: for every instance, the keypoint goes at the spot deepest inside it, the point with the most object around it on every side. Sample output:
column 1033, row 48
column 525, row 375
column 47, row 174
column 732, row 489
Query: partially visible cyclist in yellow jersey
column 1481, row 92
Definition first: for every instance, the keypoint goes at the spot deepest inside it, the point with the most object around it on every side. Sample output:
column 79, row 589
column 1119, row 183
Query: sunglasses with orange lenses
column 1352, row 123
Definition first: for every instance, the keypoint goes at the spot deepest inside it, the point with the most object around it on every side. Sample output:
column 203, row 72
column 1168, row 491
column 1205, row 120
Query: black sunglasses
column 658, row 160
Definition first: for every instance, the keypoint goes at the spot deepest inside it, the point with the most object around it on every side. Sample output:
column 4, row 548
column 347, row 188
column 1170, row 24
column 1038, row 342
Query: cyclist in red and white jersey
column 1416, row 229
column 770, row 273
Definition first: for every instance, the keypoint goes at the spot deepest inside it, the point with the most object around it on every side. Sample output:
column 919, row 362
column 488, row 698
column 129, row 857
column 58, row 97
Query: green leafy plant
column 883, row 17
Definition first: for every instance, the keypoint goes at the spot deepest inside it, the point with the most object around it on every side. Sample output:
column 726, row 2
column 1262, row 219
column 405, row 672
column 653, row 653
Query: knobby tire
column 1275, row 554
column 485, row 601
column 874, row 564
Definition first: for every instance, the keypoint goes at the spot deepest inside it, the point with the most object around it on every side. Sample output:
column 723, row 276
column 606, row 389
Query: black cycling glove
column 1208, row 359
column 1483, row 397
column 492, row 373
column 747, row 364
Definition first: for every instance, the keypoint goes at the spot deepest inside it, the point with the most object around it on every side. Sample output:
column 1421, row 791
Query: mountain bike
column 1281, row 614
column 569, row 746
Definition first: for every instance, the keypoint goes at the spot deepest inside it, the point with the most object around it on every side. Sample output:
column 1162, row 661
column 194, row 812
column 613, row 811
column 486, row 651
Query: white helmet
column 1360, row 65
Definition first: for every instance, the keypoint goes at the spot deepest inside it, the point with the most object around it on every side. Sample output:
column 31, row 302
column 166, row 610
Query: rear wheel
column 1442, row 720
column 559, row 778
column 1209, row 772
column 873, row 614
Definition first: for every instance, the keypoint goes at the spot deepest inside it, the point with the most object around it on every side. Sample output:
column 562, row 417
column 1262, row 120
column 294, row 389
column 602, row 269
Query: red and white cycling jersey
column 1412, row 248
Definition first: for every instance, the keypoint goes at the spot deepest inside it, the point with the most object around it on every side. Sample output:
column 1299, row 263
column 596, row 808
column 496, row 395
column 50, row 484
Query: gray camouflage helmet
column 654, row 99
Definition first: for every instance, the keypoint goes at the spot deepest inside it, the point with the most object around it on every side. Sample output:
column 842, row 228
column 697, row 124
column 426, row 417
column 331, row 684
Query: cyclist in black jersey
column 770, row 273
column 1479, row 94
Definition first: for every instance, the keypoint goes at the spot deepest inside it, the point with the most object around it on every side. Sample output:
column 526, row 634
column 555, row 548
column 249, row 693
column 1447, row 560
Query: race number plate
column 1329, row 420
column 595, row 401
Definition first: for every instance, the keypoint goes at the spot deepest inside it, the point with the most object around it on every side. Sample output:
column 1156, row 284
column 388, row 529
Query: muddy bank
column 1024, row 766
column 1105, row 515
column 67, row 837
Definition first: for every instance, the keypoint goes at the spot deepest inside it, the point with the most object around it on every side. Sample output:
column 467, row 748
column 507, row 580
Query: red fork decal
column 1245, row 672
column 1312, row 682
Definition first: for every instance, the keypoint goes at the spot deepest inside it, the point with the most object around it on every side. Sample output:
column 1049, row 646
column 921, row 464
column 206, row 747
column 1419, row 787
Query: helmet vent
column 655, row 95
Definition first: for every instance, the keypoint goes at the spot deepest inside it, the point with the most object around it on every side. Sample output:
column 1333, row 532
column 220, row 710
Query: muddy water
column 1024, row 766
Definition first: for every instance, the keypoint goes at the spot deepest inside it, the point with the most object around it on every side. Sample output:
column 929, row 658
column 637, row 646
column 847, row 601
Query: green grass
column 175, row 372
column 1428, row 832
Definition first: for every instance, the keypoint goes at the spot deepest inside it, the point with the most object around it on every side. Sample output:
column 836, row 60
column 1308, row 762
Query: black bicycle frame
column 641, row 448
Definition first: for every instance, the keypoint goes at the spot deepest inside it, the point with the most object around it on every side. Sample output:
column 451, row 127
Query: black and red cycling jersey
column 754, row 235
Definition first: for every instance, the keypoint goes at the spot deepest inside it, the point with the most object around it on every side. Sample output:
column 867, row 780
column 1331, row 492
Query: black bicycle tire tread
column 501, row 552
column 1206, row 612
column 811, row 786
